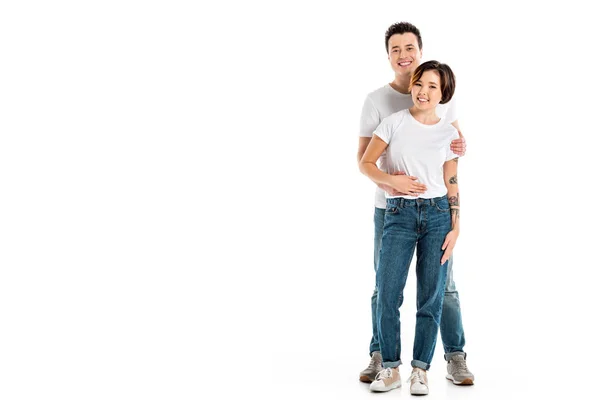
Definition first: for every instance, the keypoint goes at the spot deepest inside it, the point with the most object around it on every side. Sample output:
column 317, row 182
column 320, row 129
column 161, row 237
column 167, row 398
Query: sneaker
column 458, row 372
column 386, row 380
column 368, row 375
column 418, row 382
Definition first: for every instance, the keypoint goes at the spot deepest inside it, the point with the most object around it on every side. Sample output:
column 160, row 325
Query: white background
column 182, row 217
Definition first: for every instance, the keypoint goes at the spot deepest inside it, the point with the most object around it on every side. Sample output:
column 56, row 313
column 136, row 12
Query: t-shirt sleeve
column 369, row 119
column 450, row 155
column 452, row 113
column 385, row 130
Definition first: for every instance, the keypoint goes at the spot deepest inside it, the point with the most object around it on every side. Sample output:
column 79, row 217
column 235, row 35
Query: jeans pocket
column 391, row 210
column 443, row 206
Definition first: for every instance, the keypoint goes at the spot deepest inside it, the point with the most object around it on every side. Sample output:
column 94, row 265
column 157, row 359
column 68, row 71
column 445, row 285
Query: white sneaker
column 386, row 380
column 418, row 382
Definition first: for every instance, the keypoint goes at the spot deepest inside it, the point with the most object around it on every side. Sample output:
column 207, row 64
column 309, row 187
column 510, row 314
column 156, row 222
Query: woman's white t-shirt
column 418, row 150
column 382, row 103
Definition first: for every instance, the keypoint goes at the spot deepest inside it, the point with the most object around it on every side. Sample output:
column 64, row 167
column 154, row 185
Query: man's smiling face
column 404, row 53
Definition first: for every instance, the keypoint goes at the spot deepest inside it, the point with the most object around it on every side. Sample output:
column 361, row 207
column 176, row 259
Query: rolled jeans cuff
column 420, row 364
column 448, row 356
column 391, row 364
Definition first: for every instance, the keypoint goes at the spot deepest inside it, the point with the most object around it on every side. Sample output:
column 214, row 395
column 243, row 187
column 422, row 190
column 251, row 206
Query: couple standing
column 410, row 126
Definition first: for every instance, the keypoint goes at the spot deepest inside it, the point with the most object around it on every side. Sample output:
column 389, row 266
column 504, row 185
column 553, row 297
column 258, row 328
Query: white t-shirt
column 419, row 150
column 382, row 103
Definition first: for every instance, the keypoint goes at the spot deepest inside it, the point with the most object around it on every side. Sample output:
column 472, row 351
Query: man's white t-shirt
column 382, row 103
column 418, row 150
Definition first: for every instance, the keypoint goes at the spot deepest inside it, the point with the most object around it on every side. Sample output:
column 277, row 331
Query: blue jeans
column 451, row 327
column 424, row 224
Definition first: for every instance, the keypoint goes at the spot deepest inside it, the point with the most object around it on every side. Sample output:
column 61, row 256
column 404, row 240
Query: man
column 404, row 47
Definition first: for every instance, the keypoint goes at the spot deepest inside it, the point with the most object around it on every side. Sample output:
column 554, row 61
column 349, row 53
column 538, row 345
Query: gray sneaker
column 369, row 374
column 458, row 372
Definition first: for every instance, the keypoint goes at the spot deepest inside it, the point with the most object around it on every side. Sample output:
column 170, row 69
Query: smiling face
column 427, row 91
column 404, row 53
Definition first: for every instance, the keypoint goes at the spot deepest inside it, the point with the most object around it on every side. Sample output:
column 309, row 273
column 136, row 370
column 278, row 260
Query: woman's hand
column 407, row 184
column 449, row 244
column 390, row 190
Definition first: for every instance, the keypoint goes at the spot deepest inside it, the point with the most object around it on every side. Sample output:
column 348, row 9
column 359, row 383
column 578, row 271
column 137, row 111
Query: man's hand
column 459, row 146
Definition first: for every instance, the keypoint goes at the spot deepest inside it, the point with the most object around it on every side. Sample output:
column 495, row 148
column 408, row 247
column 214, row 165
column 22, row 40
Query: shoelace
column 461, row 366
column 384, row 374
column 418, row 375
column 374, row 363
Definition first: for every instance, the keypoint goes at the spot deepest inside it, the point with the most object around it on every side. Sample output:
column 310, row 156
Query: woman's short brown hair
column 447, row 79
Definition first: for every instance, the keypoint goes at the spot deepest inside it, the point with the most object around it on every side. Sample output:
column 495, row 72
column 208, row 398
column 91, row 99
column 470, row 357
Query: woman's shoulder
column 449, row 130
column 396, row 118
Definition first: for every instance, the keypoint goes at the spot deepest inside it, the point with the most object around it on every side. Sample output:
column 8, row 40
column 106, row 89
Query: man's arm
column 458, row 146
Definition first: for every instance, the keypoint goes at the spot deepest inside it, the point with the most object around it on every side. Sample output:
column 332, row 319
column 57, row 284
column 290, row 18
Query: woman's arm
column 363, row 142
column 368, row 166
column 451, row 181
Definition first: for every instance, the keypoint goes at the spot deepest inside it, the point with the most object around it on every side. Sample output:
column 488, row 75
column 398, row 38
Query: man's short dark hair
column 400, row 28
column 447, row 79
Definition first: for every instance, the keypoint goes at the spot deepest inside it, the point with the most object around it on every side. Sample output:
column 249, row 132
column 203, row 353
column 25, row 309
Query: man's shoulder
column 377, row 93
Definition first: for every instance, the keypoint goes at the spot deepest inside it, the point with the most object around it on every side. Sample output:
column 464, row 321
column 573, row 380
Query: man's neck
column 400, row 83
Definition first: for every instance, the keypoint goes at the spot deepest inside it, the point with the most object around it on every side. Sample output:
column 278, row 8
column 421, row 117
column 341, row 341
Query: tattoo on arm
column 453, row 180
column 455, row 160
column 454, row 200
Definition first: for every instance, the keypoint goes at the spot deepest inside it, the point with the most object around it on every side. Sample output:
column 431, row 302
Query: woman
column 417, row 142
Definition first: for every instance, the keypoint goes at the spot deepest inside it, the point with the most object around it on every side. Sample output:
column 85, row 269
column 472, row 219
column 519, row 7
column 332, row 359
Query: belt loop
column 402, row 202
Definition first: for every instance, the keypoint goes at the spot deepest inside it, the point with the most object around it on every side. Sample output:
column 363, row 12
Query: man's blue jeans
column 451, row 321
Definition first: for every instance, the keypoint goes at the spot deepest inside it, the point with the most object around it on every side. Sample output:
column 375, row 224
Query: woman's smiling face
column 426, row 92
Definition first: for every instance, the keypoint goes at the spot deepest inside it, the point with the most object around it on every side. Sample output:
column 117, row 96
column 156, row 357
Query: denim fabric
column 408, row 224
column 378, row 220
column 451, row 327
